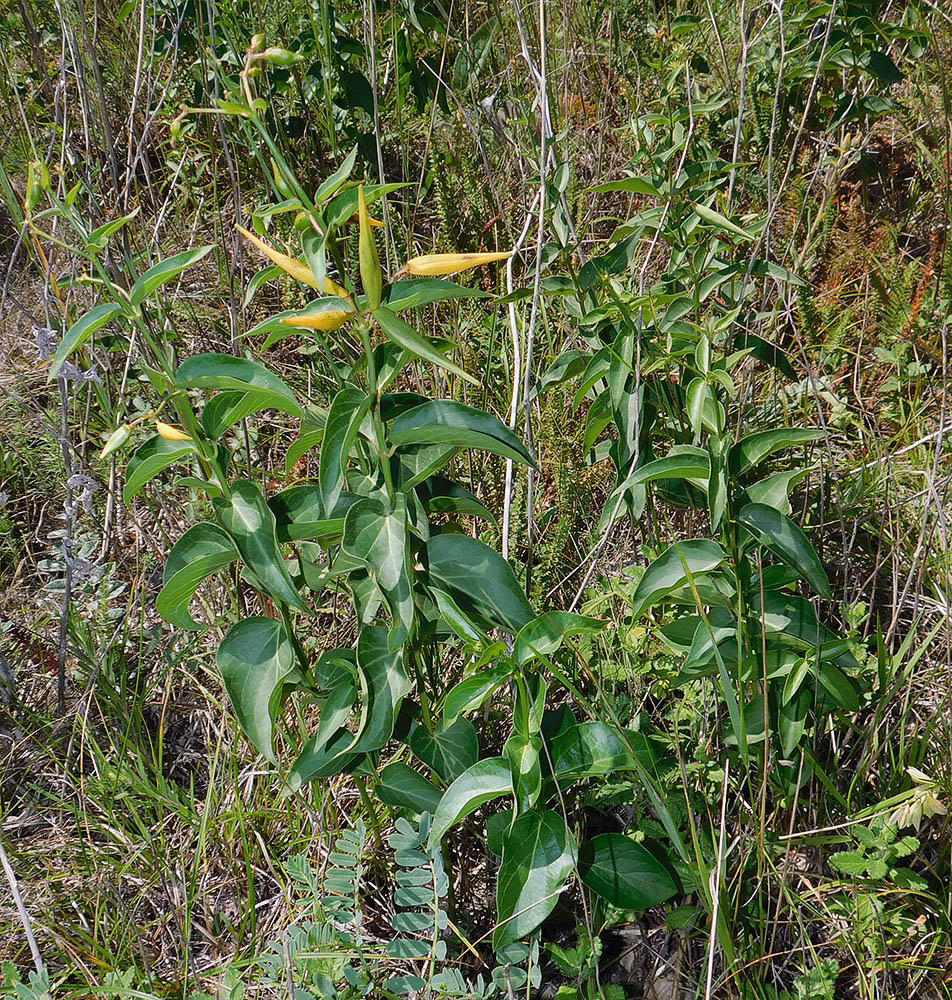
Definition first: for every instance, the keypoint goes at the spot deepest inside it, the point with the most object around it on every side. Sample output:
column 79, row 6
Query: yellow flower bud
column 295, row 268
column 324, row 319
column 451, row 263
column 170, row 433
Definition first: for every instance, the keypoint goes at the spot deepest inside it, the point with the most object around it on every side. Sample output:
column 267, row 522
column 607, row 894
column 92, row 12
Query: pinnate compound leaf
column 225, row 371
column 164, row 271
column 248, row 519
column 81, row 331
column 487, row 779
column 478, row 578
column 149, row 459
column 675, row 566
column 625, row 873
column 254, row 659
column 785, row 539
column 538, row 855
column 202, row 550
column 442, row 421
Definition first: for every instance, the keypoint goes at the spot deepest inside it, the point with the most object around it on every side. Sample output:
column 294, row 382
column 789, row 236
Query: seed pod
column 451, row 263
column 170, row 433
column 370, row 274
column 301, row 272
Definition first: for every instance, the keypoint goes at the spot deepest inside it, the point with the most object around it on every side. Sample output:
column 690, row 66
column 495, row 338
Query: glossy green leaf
column 225, row 371
column 164, row 271
column 414, row 292
column 149, row 459
column 449, row 750
column 676, row 565
column 634, row 185
column 375, row 535
column 754, row 448
column 442, row 421
column 441, row 496
column 403, row 335
column 225, row 409
column 538, row 855
column 587, row 749
column 785, row 539
column 470, row 693
column 718, row 221
column 248, row 519
column 774, row 490
column 625, row 873
column 254, row 659
column 400, row 786
column 81, row 331
column 347, row 411
column 202, row 550
column 479, row 579
column 384, row 684
column 299, row 515
column 545, row 634
column 485, row 780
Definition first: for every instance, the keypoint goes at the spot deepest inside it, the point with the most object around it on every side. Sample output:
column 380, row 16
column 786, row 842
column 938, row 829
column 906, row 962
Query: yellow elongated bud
column 325, row 319
column 370, row 274
column 451, row 263
column 170, row 433
column 295, row 268
column 287, row 264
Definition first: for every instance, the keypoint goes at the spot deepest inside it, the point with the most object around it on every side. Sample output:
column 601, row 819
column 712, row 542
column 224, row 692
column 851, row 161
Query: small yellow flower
column 301, row 272
column 325, row 319
column 170, row 433
column 451, row 263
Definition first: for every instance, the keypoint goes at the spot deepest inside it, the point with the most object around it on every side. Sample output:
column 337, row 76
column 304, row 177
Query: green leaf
column 487, row 779
column 225, row 409
column 839, row 686
column 254, row 658
column 692, row 465
column 299, row 515
column 384, row 684
column 545, row 634
column 718, row 221
column 784, row 538
column 636, row 185
column 625, row 873
column 202, row 550
column 471, row 692
column 442, row 421
column 97, row 238
column 164, row 271
column 676, row 565
column 479, row 579
column 347, row 411
column 587, row 749
column 449, row 750
column 774, row 490
column 225, row 371
column 403, row 335
column 250, row 523
column 754, row 448
column 538, row 855
column 81, row 331
column 376, row 536
column 149, row 459
column 441, row 496
column 400, row 786
column 414, row 292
